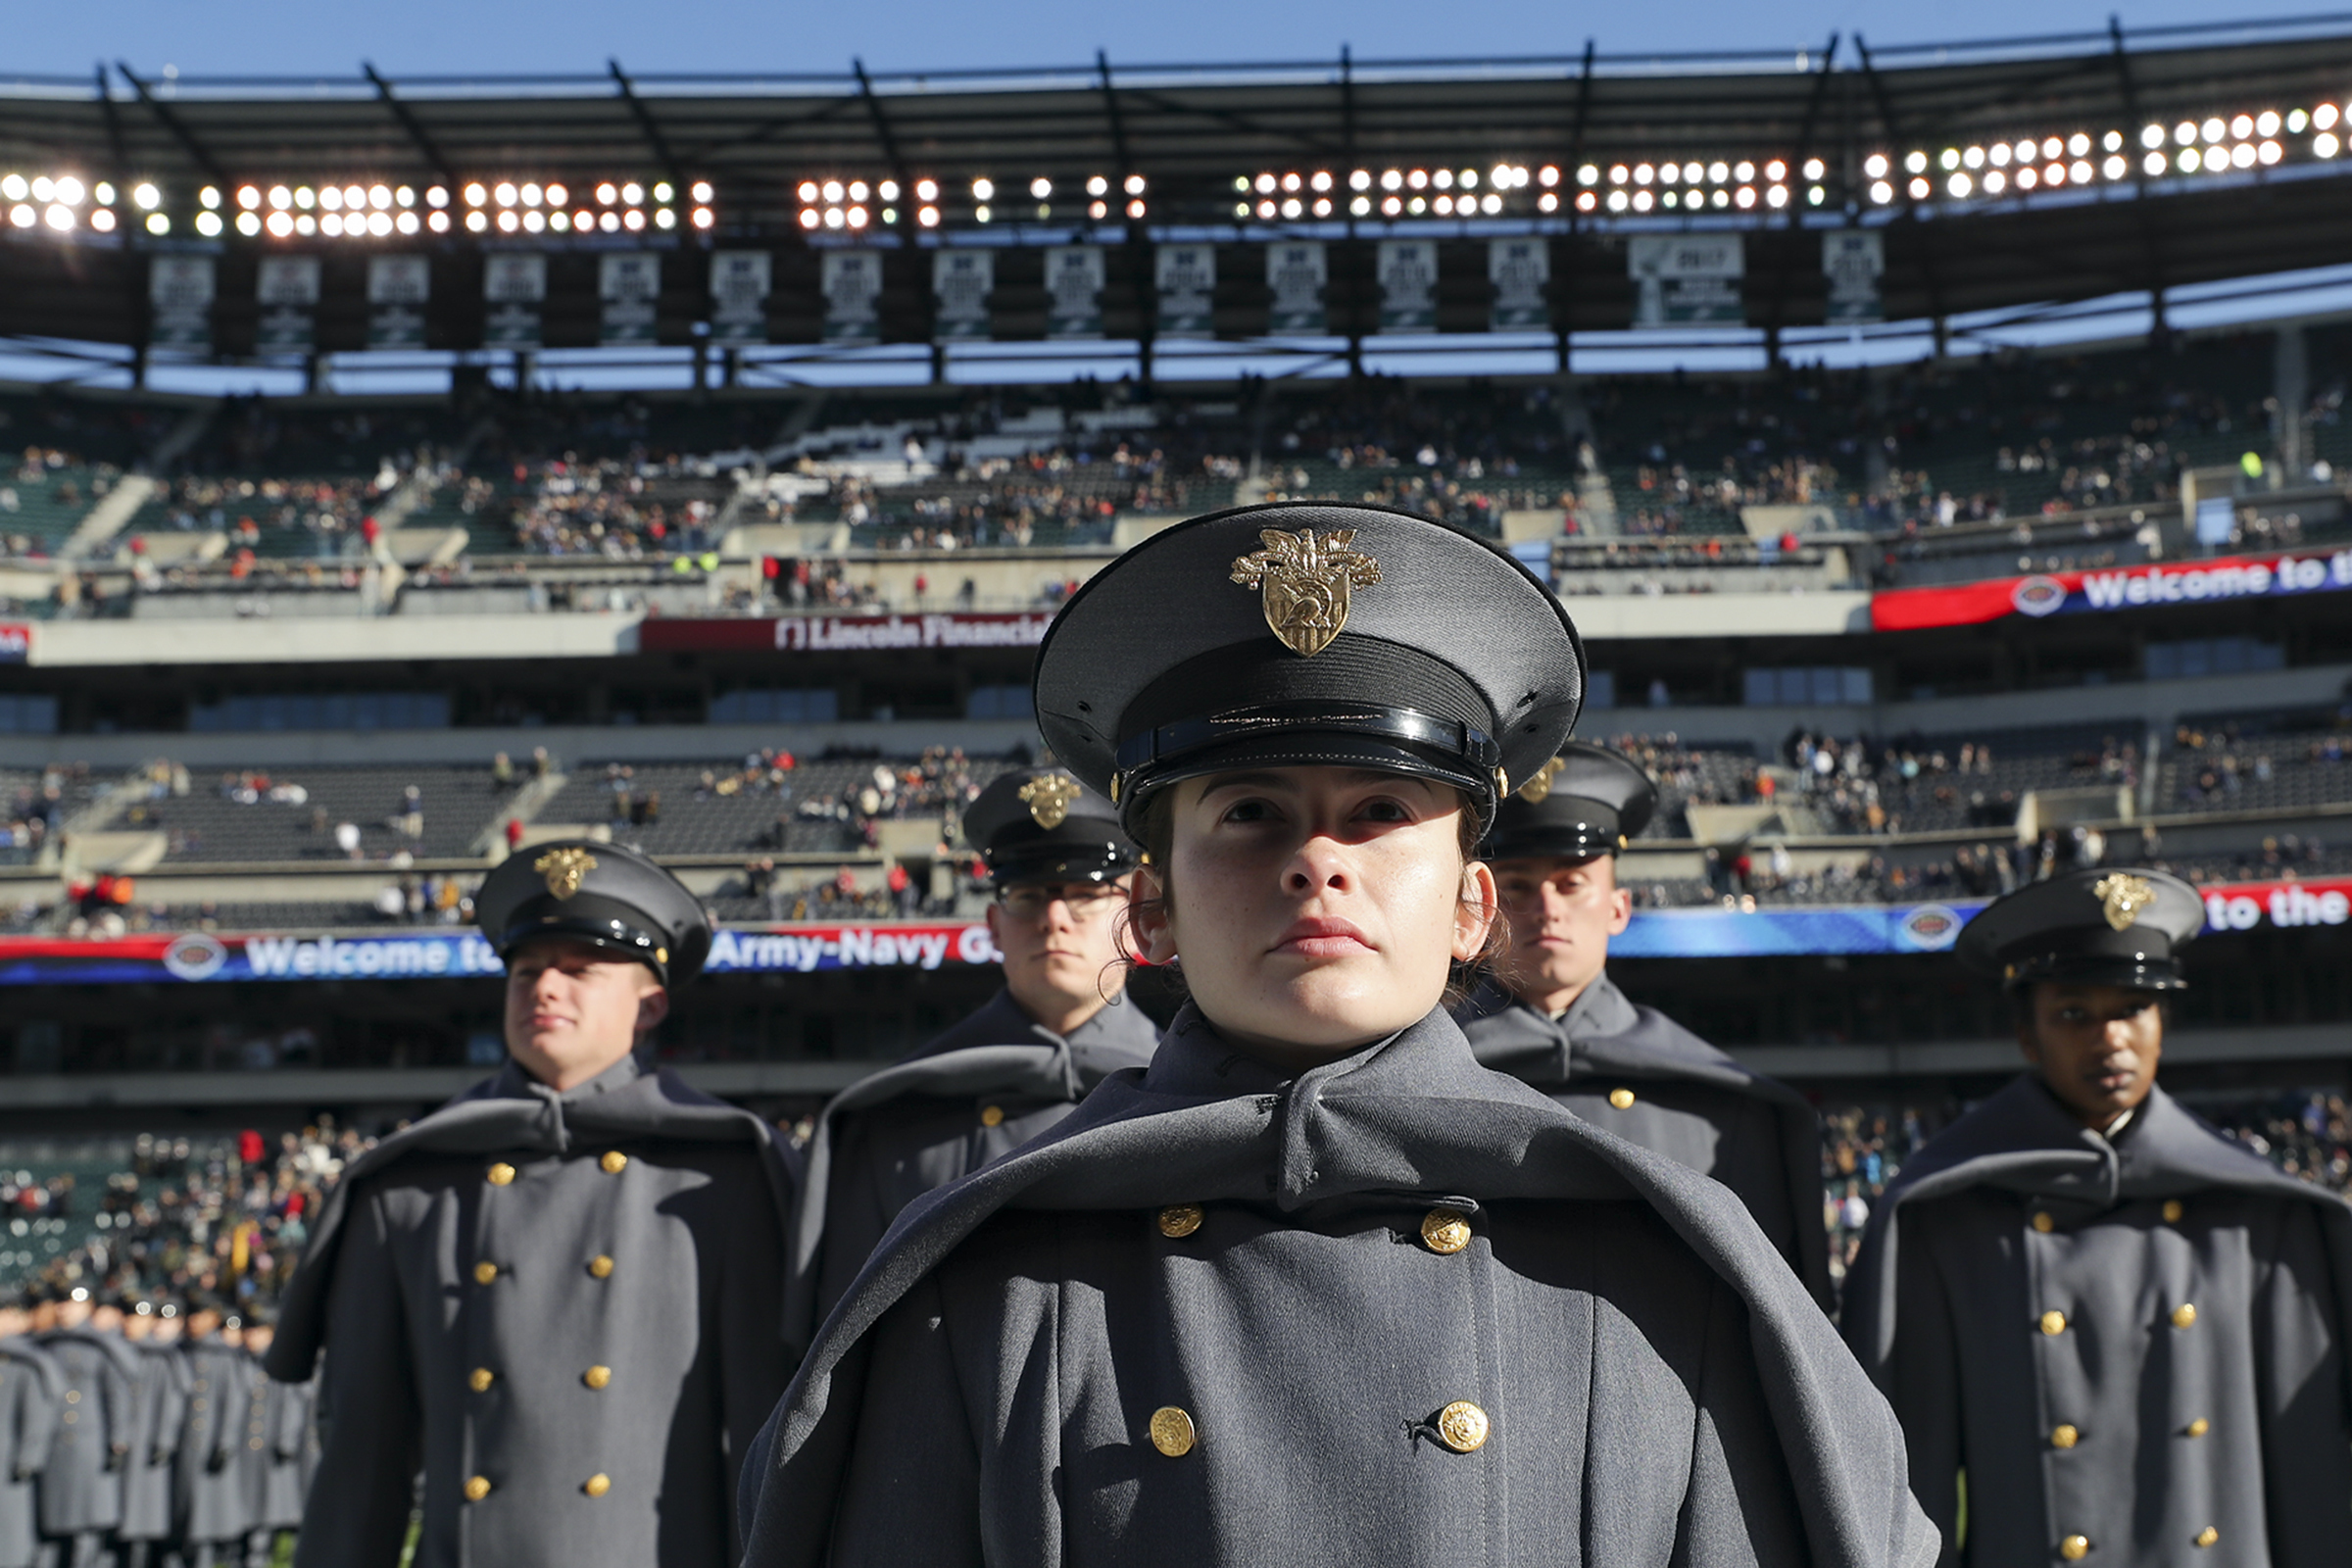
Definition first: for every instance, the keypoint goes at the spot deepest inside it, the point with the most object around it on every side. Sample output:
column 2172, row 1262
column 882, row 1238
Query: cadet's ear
column 652, row 1007
column 1149, row 922
column 2028, row 1034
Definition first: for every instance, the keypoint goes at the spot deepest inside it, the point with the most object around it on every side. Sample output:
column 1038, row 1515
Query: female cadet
column 1315, row 1286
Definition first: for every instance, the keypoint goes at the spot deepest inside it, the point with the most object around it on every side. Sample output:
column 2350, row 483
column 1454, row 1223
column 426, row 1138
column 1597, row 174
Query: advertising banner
column 1853, row 260
column 179, row 289
column 853, row 285
column 440, row 954
column 1408, row 285
column 963, row 280
column 1074, row 291
column 514, row 286
column 1187, row 279
column 818, row 634
column 629, row 283
column 398, row 287
column 739, row 285
column 1295, row 272
column 2276, row 575
column 1520, row 271
column 286, row 288
column 1687, row 279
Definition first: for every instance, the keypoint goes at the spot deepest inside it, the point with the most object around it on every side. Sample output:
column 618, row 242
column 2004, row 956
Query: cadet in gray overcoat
column 2127, row 1332
column 276, row 1433
column 209, row 1499
column 1315, row 1286
column 31, row 1396
column 161, row 1399
column 1059, row 864
column 1552, row 1018
column 81, row 1487
column 560, row 1297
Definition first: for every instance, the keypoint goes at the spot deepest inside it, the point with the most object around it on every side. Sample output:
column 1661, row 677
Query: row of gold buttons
column 2074, row 1548
column 478, row 1486
column 2045, row 1222
column 612, row 1163
column 2066, row 1434
column 2184, row 1316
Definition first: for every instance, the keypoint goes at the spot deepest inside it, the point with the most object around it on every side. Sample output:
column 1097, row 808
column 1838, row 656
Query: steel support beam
column 414, row 129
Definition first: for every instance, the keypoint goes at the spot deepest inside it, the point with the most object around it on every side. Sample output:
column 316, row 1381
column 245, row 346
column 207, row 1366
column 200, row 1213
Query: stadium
column 1939, row 450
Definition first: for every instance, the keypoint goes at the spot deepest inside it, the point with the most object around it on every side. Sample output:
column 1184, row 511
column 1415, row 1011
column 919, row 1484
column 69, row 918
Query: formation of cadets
column 137, row 1435
column 1413, row 1239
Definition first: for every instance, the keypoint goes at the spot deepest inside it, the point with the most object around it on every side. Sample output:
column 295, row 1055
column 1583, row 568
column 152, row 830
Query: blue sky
column 298, row 37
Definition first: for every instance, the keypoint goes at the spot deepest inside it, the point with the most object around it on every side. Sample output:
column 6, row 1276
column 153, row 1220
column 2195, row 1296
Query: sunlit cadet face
column 1315, row 909
column 1561, row 914
column 2095, row 1045
column 1059, row 942
column 574, row 1008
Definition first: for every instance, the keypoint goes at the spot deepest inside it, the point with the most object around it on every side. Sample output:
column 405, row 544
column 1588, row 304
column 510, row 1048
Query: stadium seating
column 256, row 816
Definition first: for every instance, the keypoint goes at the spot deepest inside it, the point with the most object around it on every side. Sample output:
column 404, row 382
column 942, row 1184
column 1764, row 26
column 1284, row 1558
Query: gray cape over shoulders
column 634, row 1231
column 921, row 1123
column 2176, row 1307
column 1691, row 1103
column 1301, row 1319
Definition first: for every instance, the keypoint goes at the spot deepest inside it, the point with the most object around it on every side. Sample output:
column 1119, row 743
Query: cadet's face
column 72, row 1314
column 2095, row 1045
column 573, row 1010
column 259, row 1336
column 14, row 1320
column 107, row 1320
column 1060, row 947
column 1316, row 909
column 1563, row 913
column 167, row 1330
column 203, row 1325
column 135, row 1327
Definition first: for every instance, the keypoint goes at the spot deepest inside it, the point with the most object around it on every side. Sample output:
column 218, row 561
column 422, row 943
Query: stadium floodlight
column 158, row 223
column 2296, row 120
column 2080, row 172
column 1920, row 190
column 2153, row 164
column 2324, row 144
column 16, row 187
column 1916, row 164
column 1041, row 187
column 2324, row 117
column 2268, row 153
column 1718, row 173
column 2242, row 126
column 1641, row 201
column 103, row 220
column 23, row 215
column 437, row 222
column 208, row 197
column 2113, row 142
column 1951, row 158
column 1290, row 180
column 2243, row 155
column 1995, row 183
column 1320, row 180
column 208, row 223
column 58, row 216
column 1997, row 155
column 437, row 196
column 2077, row 144
column 2151, row 137
column 2116, row 167
column 249, row 197
column 633, row 193
column 1644, row 173
column 704, row 217
column 2190, row 160
column 857, row 191
column 984, row 190
column 556, row 196
column 662, row 191
column 2267, row 122
column 2212, row 130
column 1959, row 185
column 702, row 192
column 927, row 216
column 476, row 222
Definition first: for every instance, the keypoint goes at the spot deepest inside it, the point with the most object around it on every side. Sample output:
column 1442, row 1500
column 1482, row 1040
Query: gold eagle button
column 2185, row 1315
column 2074, row 1548
column 1179, row 1220
column 1445, row 1231
column 1622, row 1099
column 613, row 1162
column 2064, row 1436
column 2053, row 1323
column 501, row 1174
column 597, row 1485
column 476, row 1487
column 1172, row 1432
column 2208, row 1536
column 2173, row 1211
column 992, row 1116
column 2198, row 1428
column 2042, row 1221
column 484, row 1272
column 601, row 1266
column 1462, row 1427
column 480, row 1379
column 597, row 1377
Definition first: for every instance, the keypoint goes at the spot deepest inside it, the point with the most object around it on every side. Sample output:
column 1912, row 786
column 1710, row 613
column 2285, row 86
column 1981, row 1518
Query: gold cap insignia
column 1304, row 579
column 1049, row 797
column 2124, row 895
column 1538, row 787
column 564, row 868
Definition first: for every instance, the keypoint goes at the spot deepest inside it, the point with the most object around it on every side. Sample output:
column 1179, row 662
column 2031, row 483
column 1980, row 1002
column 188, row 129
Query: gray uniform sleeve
column 366, row 1482
column 171, row 1410
column 2299, row 1361
column 753, row 1373
column 37, row 1413
column 1741, row 1506
column 911, row 1494
column 122, row 1396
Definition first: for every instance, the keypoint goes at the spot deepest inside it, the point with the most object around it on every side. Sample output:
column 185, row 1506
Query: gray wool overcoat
column 566, row 1309
column 30, row 1398
column 1651, row 1081
column 1398, row 1309
column 209, row 1501
column 2134, row 1346
column 160, row 1401
column 982, row 1089
column 81, row 1487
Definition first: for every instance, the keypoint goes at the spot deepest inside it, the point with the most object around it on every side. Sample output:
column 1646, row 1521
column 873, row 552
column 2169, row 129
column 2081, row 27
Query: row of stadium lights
column 854, row 204
column 2211, row 146
column 357, row 211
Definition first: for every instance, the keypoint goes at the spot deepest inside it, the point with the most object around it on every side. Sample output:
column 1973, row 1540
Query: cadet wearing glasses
column 1060, row 866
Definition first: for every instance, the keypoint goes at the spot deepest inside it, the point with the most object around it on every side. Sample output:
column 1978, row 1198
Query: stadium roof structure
column 2001, row 174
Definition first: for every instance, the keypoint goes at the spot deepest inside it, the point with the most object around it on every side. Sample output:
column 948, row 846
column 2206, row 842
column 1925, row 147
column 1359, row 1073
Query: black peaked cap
column 1290, row 635
column 1587, row 800
column 599, row 892
column 1041, row 825
column 2106, row 925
